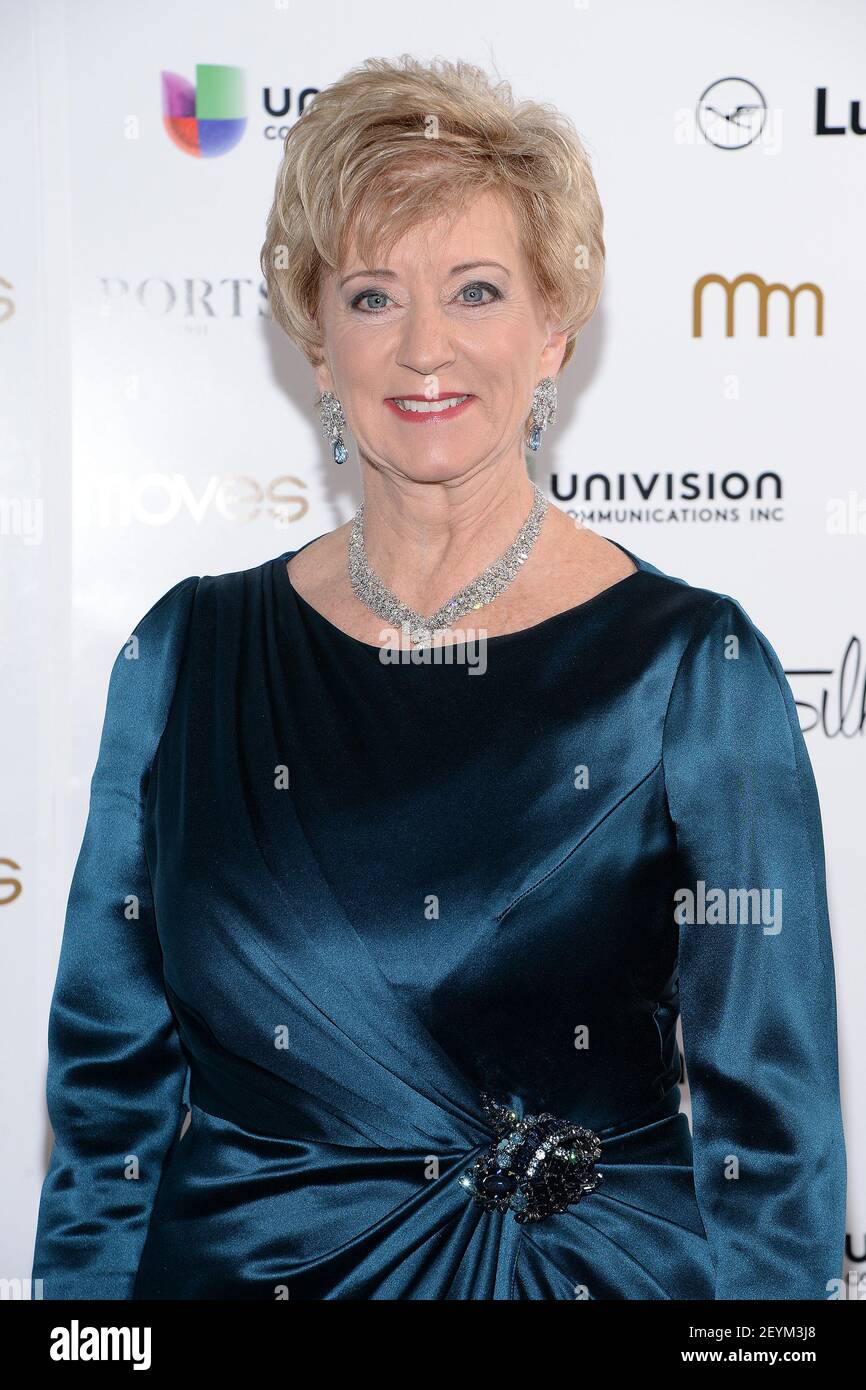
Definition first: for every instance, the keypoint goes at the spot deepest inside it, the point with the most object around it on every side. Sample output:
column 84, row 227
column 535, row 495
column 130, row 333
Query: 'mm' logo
column 209, row 118
column 764, row 291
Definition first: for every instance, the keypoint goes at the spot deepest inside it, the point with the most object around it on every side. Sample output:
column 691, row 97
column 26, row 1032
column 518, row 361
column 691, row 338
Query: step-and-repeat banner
column 155, row 423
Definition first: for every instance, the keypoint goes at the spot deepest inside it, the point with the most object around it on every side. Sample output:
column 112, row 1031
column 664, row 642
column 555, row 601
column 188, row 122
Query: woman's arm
column 757, row 988
column 115, row 1067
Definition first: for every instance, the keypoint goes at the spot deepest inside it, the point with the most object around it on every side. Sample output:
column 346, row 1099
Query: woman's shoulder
column 692, row 604
column 169, row 612
column 710, row 633
column 188, row 603
column 694, row 622
column 201, row 591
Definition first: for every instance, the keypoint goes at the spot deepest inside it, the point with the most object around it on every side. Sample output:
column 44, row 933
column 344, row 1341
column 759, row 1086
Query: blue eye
column 475, row 286
column 480, row 285
column 369, row 294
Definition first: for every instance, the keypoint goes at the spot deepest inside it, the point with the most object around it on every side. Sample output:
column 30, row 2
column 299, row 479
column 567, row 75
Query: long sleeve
column 116, row 1070
column 756, row 977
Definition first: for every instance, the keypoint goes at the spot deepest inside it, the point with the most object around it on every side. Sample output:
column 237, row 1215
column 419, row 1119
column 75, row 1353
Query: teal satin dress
column 331, row 902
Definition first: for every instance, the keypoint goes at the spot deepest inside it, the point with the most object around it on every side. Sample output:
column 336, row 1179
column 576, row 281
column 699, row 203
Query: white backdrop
column 156, row 424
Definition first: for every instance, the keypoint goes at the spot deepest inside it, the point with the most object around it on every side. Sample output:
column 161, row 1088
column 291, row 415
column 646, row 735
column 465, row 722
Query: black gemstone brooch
column 534, row 1166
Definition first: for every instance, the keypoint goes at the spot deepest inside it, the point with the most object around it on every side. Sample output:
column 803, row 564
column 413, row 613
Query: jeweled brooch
column 535, row 1166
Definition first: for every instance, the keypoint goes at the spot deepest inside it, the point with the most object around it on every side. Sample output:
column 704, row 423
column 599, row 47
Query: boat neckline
column 281, row 561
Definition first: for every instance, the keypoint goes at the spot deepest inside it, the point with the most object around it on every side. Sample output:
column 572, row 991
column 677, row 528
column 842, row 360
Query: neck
column 426, row 540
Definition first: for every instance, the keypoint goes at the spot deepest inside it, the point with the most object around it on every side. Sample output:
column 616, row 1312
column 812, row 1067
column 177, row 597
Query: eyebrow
column 455, row 270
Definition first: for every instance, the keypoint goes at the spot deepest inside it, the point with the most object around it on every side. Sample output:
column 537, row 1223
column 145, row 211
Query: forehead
column 484, row 228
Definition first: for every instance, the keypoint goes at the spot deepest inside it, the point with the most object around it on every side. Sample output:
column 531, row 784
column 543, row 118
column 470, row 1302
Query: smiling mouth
column 414, row 406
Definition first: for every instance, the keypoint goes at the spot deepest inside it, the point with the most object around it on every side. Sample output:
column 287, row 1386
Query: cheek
column 363, row 351
column 504, row 342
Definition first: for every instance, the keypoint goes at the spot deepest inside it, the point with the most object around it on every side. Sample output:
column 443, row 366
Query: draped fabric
column 329, row 901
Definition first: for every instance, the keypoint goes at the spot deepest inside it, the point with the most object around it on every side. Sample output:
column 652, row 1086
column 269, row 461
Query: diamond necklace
column 373, row 592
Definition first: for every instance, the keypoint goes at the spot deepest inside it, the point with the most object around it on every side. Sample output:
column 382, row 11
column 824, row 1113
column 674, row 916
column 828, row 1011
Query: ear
column 322, row 373
column 553, row 351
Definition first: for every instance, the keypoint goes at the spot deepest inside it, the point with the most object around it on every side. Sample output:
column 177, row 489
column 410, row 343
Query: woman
column 416, row 902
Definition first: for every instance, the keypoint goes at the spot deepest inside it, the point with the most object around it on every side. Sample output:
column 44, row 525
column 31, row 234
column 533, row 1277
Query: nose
column 425, row 343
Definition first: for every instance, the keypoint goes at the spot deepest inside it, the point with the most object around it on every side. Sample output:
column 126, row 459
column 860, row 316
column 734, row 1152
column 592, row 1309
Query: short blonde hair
column 394, row 142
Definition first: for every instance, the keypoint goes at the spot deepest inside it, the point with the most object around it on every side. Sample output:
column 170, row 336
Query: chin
column 430, row 465
column 439, row 470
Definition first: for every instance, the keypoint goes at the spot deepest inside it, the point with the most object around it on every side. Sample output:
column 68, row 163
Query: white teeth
column 431, row 407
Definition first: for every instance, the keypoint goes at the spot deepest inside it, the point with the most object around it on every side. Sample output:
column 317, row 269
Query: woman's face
column 453, row 312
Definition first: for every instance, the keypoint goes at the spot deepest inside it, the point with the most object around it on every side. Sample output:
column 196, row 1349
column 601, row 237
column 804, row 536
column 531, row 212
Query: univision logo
column 209, row 118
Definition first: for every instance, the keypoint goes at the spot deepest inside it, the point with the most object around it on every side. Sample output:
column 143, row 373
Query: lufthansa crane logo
column 731, row 113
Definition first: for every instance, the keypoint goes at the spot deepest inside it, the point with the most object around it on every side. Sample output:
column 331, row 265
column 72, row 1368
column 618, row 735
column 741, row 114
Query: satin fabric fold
column 324, row 1221
column 367, row 894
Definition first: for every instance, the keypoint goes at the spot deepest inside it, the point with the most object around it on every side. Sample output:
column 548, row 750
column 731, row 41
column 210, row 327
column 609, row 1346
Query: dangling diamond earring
column 333, row 424
column 543, row 410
